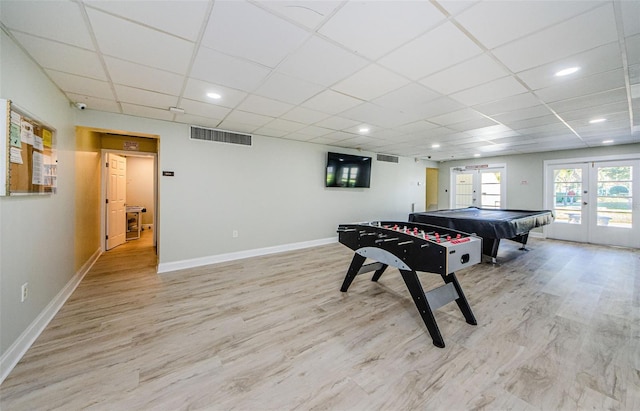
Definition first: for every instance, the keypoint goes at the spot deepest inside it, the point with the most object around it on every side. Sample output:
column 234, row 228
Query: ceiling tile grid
column 474, row 77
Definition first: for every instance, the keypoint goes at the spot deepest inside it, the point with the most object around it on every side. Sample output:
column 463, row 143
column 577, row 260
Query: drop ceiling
column 426, row 79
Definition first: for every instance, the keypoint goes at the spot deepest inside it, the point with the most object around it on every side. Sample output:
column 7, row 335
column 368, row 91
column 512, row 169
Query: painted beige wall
column 87, row 198
column 113, row 142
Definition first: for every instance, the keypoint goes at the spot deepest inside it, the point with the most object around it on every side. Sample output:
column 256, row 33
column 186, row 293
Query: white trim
column 220, row 258
column 17, row 350
column 537, row 234
column 611, row 157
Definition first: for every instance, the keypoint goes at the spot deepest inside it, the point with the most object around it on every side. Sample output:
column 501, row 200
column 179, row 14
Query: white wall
column 272, row 193
column 36, row 232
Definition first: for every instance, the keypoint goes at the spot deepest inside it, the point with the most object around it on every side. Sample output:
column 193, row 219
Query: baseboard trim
column 221, row 258
column 17, row 350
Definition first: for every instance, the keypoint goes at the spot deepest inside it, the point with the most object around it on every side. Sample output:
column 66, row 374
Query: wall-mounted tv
column 346, row 170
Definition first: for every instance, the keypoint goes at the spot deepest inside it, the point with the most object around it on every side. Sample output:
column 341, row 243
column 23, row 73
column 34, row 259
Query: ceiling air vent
column 209, row 134
column 388, row 159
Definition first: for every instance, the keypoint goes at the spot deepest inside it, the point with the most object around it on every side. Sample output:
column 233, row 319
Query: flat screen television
column 346, row 170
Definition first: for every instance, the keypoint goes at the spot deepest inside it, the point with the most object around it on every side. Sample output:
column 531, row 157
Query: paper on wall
column 26, row 133
column 38, row 169
column 15, row 155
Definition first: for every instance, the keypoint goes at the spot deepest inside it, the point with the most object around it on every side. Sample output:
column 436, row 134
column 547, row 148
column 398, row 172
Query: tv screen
column 346, row 170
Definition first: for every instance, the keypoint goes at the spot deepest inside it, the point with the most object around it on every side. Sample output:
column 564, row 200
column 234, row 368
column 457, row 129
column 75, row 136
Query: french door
column 478, row 187
column 595, row 202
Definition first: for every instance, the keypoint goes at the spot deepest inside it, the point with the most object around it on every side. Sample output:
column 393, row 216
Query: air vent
column 388, row 159
column 209, row 134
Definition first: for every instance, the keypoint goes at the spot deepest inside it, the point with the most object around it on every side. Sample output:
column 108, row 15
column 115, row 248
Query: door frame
column 103, row 191
column 547, row 201
column 477, row 181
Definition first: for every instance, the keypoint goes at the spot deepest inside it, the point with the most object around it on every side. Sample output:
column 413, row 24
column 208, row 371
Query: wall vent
column 222, row 136
column 388, row 159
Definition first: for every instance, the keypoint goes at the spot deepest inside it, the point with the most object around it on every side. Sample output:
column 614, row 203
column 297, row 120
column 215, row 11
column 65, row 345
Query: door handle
column 584, row 203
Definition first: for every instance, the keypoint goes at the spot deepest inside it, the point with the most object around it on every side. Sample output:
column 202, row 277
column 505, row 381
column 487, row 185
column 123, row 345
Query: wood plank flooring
column 558, row 328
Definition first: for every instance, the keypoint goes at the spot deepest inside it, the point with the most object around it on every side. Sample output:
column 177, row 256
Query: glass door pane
column 615, row 196
column 568, row 189
column 490, row 188
column 464, row 196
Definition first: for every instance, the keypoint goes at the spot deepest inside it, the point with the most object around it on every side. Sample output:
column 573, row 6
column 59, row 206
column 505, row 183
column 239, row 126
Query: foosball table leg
column 419, row 298
column 462, row 302
column 378, row 273
column 352, row 272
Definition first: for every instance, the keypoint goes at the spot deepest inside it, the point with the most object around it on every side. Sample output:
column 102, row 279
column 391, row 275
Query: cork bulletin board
column 28, row 158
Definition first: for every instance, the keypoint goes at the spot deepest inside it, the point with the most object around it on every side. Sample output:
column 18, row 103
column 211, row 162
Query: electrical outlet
column 24, row 292
column 234, row 234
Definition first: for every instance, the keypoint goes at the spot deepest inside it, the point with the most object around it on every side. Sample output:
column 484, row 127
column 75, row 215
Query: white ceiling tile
column 288, row 89
column 129, row 41
column 217, row 68
column 269, row 40
column 314, row 131
column 498, row 22
column 407, row 97
column 549, row 120
column 94, row 103
column 630, row 10
column 81, row 85
column 309, row 13
column 285, row 125
column 237, row 127
column 470, row 125
column 146, row 112
column 197, row 120
column 135, row 75
column 374, row 28
column 331, row 102
column 442, row 47
column 181, row 18
column 337, row 123
column 581, row 33
column 376, row 115
column 590, row 100
column 507, row 104
column 76, row 60
column 456, row 117
column 321, row 62
column 455, row 7
column 270, row 132
column 492, row 91
column 470, row 73
column 243, row 117
column 55, row 20
column 583, row 86
column 633, row 49
column 439, row 106
column 529, row 112
column 200, row 109
column 597, row 60
column 140, row 97
column 198, row 89
column 371, row 82
column 264, row 106
column 305, row 115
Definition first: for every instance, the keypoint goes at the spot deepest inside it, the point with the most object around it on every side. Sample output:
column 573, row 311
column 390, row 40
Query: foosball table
column 412, row 247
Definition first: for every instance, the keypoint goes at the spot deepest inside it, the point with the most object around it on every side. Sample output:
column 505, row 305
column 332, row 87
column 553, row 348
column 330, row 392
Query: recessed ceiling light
column 476, row 155
column 435, row 145
column 607, row 141
column 597, row 120
column 567, row 71
column 214, row 96
column 363, row 130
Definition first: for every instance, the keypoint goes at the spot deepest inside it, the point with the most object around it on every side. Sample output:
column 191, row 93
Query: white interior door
column 595, row 202
column 116, row 199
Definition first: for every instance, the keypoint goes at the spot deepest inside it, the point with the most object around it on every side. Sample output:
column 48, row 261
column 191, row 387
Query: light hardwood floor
column 558, row 328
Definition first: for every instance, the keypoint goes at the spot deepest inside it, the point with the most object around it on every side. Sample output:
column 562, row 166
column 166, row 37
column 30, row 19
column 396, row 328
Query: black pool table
column 490, row 224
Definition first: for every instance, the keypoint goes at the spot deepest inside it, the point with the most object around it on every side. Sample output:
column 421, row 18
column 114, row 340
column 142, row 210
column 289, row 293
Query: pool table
column 490, row 224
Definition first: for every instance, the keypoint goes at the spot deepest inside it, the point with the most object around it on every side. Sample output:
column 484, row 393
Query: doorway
column 139, row 197
column 478, row 186
column 595, row 201
column 431, row 189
